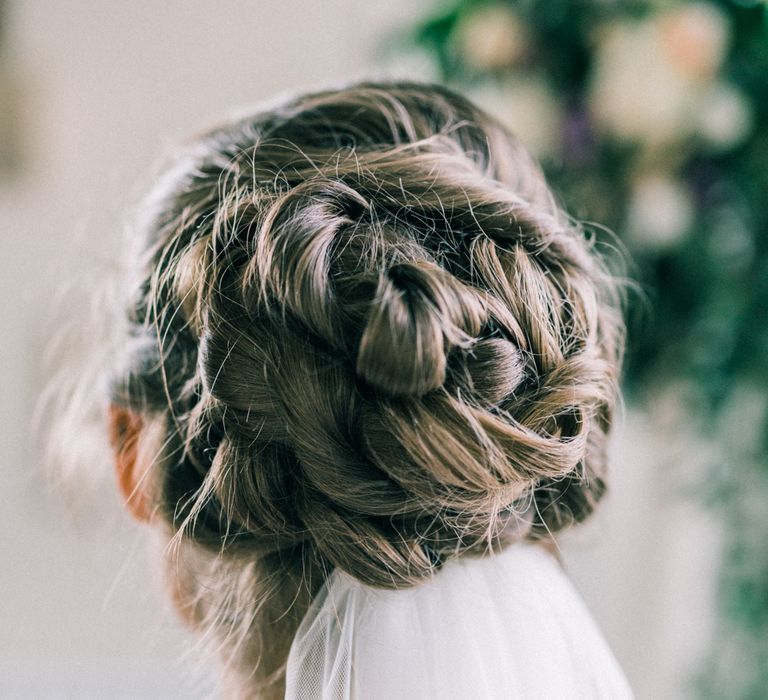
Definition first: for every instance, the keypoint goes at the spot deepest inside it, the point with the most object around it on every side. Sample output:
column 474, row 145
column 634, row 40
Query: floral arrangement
column 651, row 117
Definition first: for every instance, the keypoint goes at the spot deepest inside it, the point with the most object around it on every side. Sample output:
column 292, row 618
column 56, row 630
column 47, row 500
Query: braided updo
column 374, row 342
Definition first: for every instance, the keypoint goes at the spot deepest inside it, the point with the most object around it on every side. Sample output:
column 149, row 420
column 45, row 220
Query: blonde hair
column 374, row 342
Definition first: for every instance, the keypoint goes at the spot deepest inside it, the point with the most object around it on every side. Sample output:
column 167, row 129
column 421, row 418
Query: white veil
column 510, row 625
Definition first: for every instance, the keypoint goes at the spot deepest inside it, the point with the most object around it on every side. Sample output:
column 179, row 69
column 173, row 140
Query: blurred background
column 651, row 119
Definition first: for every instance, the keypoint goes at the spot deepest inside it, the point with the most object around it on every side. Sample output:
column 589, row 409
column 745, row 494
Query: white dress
column 511, row 625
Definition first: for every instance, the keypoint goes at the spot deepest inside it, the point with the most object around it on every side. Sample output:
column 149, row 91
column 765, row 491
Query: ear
column 125, row 428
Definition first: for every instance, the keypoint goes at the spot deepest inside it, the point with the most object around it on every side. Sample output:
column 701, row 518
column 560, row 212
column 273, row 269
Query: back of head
column 373, row 342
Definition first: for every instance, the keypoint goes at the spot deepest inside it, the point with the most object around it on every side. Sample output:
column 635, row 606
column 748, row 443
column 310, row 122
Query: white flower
column 649, row 75
column 695, row 38
column 724, row 117
column 528, row 108
column 491, row 37
column 660, row 212
column 634, row 94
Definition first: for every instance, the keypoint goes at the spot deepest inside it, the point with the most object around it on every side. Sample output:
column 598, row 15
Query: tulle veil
column 506, row 625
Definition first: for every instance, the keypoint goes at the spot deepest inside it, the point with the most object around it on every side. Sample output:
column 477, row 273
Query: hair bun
column 418, row 314
column 373, row 342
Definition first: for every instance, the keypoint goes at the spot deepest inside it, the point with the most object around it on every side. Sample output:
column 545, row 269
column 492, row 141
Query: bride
column 368, row 370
